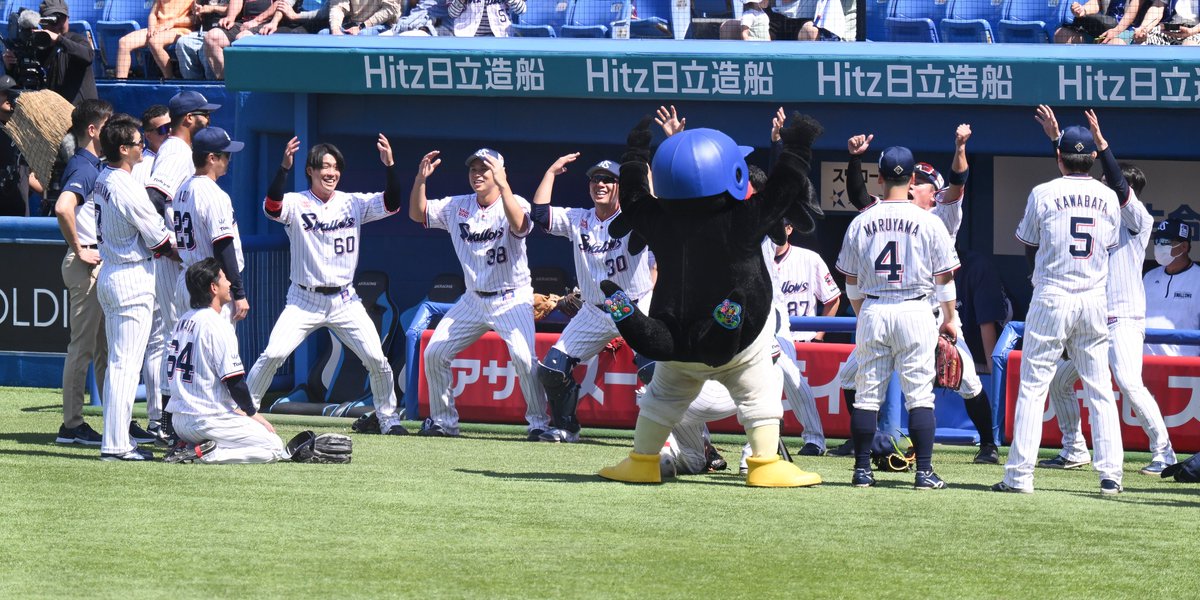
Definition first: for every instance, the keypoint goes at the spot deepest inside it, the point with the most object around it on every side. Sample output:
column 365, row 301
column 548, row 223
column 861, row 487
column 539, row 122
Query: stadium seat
column 121, row 18
column 712, row 9
column 731, row 29
column 971, row 21
column 542, row 18
column 877, row 14
column 1031, row 21
column 914, row 20
column 594, row 18
column 653, row 19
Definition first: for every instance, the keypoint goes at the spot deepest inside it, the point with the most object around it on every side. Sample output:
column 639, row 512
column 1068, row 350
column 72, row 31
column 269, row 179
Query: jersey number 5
column 180, row 360
column 887, row 262
column 1078, row 226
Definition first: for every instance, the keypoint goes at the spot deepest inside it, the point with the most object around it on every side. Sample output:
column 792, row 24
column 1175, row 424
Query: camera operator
column 66, row 56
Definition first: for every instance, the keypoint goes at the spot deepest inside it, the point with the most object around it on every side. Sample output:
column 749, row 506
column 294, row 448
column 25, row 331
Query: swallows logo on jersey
column 789, row 287
column 312, row 223
column 487, row 235
column 586, row 245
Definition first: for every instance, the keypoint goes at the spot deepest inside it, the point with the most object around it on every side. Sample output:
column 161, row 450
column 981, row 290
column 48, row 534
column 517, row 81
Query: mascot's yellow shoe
column 638, row 468
column 773, row 471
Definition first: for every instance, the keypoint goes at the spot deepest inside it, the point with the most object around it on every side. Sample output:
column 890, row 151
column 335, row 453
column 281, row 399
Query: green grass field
column 492, row 516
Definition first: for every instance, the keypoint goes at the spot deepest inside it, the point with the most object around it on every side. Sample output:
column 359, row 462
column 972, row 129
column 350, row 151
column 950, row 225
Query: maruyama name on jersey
column 888, row 225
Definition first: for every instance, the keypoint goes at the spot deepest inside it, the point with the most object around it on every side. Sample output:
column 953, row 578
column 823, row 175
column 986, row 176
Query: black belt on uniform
column 490, row 294
column 921, row 297
column 323, row 290
column 89, row 246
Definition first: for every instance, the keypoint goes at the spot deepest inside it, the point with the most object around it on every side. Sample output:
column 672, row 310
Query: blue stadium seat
column 121, row 18
column 712, row 9
column 542, row 18
column 86, row 11
column 877, row 14
column 914, row 20
column 653, row 19
column 1031, row 21
column 594, row 18
column 971, row 21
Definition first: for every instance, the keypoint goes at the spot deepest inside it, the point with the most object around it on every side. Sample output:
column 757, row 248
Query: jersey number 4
column 889, row 263
column 1079, row 231
column 180, row 360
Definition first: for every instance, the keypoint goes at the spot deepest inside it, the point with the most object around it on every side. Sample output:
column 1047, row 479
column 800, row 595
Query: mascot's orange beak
column 749, row 190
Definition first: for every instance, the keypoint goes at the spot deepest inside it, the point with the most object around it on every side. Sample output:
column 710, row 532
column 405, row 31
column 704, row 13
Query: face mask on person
column 1163, row 255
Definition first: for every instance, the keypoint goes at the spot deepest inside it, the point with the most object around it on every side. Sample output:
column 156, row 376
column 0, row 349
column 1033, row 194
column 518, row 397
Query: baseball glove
column 366, row 424
column 949, row 364
column 544, row 304
column 570, row 304
column 308, row 447
column 887, row 455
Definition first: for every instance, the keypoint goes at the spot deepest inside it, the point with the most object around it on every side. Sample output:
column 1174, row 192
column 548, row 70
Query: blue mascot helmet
column 698, row 163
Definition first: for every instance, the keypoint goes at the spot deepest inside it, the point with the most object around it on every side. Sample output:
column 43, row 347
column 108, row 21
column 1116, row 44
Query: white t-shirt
column 1173, row 302
column 758, row 23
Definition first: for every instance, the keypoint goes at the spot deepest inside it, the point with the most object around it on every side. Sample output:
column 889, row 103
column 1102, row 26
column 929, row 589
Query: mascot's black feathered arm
column 789, row 192
column 637, row 204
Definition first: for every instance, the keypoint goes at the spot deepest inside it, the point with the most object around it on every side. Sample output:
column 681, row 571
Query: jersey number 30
column 887, row 262
column 1079, row 231
column 180, row 360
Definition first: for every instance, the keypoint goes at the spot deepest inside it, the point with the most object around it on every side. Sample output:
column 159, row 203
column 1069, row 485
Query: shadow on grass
column 1137, row 496
column 91, row 456
column 48, row 408
column 499, row 437
column 723, row 480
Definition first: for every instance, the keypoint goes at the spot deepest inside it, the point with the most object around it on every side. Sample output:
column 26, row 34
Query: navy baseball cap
column 605, row 166
column 214, row 139
column 1076, row 140
column 482, row 152
column 1172, row 229
column 896, row 162
column 189, row 102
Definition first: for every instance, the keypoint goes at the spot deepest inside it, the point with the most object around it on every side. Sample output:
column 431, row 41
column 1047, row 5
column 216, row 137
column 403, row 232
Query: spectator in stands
column 189, row 49
column 425, row 17
column 68, row 59
column 484, row 18
column 363, row 17
column 297, row 21
column 1182, row 28
column 828, row 23
column 243, row 18
column 1173, row 289
column 15, row 178
column 1139, row 17
column 1120, row 23
column 756, row 26
column 169, row 19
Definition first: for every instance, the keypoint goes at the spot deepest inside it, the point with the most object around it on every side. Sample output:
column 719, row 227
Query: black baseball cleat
column 558, row 435
column 863, row 478
column 716, row 462
column 1108, row 487
column 988, row 455
column 1061, row 462
column 83, row 434
column 190, row 453
column 811, row 449
column 139, row 435
column 846, row 449
column 535, row 434
column 928, row 480
column 431, row 429
column 159, row 433
column 1008, row 489
column 397, row 429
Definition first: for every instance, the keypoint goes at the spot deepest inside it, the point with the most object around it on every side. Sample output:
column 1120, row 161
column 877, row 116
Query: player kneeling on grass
column 219, row 423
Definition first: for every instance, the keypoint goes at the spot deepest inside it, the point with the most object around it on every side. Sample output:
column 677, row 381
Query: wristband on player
column 945, row 292
column 958, row 178
column 852, row 292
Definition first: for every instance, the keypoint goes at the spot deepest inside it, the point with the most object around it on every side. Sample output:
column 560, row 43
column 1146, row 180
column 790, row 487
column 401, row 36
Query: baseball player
column 323, row 226
column 1069, row 227
column 189, row 113
column 156, row 128
column 130, row 233
column 943, row 198
column 597, row 257
column 210, row 403
column 902, row 254
column 80, row 268
column 205, row 216
column 1126, row 318
column 1172, row 289
column 488, row 228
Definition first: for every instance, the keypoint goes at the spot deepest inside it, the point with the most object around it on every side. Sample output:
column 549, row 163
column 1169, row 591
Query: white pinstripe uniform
column 1127, row 331
column 895, row 249
column 324, row 239
column 685, row 446
column 1073, row 220
column 951, row 215
column 203, row 354
column 127, row 227
column 172, row 167
column 205, row 215
column 499, row 296
column 152, row 365
column 597, row 257
column 800, row 281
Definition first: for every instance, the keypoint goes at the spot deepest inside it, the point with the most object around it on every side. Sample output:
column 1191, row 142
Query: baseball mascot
column 712, row 301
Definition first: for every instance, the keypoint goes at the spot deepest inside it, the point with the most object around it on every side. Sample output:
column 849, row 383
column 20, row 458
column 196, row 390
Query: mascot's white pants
column 751, row 377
